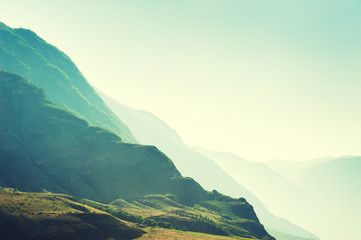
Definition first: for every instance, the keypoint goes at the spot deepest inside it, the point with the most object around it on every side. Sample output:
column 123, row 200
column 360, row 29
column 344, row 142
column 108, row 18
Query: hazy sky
column 263, row 79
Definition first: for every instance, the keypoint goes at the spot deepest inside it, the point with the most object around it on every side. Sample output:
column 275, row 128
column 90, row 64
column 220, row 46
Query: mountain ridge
column 24, row 52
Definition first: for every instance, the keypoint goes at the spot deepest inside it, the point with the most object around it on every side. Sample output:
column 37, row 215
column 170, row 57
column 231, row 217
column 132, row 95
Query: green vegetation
column 117, row 212
column 45, row 216
column 169, row 234
column 166, row 209
column 59, row 216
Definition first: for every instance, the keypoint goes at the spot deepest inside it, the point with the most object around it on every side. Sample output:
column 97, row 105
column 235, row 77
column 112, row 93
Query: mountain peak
column 24, row 52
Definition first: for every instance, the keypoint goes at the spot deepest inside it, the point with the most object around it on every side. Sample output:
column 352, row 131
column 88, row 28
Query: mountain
column 281, row 196
column 45, row 148
column 149, row 129
column 45, row 216
column 23, row 52
column 292, row 170
column 335, row 184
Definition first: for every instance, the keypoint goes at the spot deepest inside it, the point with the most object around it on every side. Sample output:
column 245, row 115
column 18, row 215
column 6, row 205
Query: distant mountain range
column 309, row 193
column 149, row 129
column 292, row 170
column 336, row 184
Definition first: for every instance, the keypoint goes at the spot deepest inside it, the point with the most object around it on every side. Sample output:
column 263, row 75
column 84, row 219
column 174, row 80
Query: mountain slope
column 42, row 216
column 23, row 52
column 149, row 129
column 43, row 147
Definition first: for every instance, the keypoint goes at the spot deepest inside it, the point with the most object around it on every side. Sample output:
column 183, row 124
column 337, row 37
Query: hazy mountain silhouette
column 292, row 170
column 335, row 184
column 281, row 196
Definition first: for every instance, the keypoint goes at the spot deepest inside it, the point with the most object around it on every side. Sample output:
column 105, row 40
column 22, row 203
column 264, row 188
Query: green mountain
column 23, row 52
column 149, row 129
column 45, row 148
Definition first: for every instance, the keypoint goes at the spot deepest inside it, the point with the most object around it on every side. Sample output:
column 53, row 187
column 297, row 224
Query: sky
column 263, row 79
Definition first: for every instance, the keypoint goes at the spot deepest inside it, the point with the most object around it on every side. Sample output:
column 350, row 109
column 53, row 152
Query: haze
column 262, row 79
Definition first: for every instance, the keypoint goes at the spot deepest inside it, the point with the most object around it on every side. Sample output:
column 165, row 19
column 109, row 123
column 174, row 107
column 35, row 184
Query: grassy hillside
column 36, row 216
column 43, row 147
column 218, row 215
column 23, row 52
column 167, row 234
column 42, row 216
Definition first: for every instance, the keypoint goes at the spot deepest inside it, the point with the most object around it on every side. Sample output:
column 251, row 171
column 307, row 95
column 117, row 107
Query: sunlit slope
column 43, row 147
column 23, row 52
column 167, row 234
column 219, row 215
column 149, row 129
column 43, row 216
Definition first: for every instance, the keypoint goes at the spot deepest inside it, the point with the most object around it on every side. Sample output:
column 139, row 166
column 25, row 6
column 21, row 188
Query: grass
column 35, row 204
column 40, row 206
column 210, row 218
column 170, row 234
column 49, row 216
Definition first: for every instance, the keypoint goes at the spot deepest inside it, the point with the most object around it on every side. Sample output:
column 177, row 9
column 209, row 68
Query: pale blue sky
column 263, row 79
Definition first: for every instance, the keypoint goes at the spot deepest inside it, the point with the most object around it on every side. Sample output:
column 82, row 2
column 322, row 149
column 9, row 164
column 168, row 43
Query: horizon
column 263, row 81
